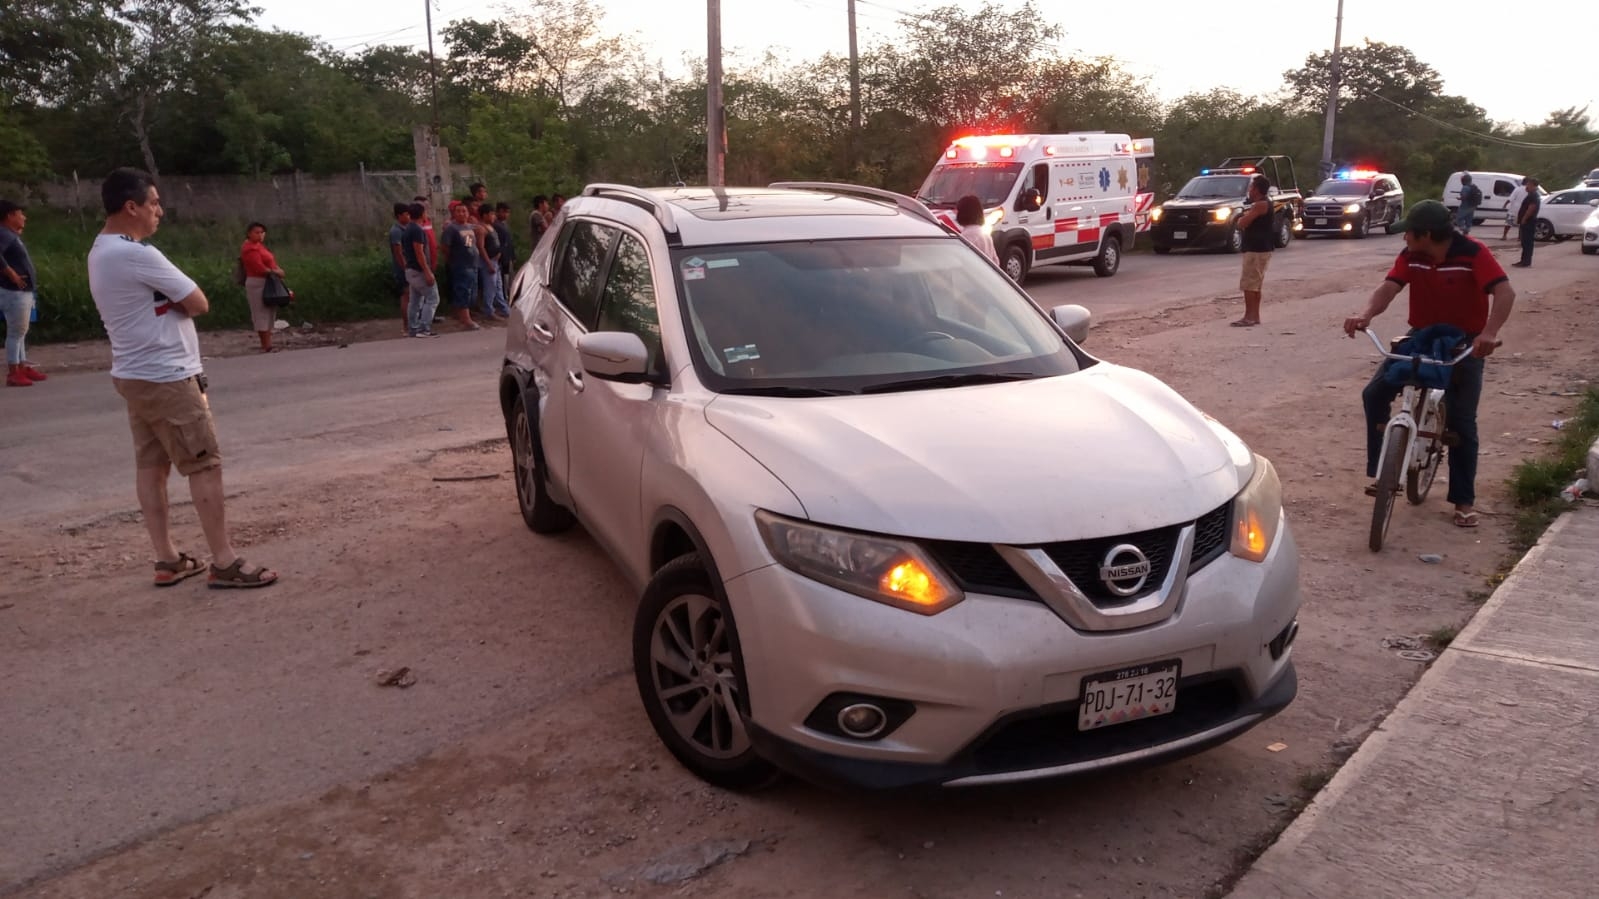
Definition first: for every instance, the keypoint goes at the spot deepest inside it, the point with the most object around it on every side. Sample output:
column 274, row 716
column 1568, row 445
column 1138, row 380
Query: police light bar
column 1356, row 174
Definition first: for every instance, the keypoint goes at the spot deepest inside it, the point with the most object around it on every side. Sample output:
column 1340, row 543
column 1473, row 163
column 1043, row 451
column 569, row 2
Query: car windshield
column 1334, row 187
column 816, row 318
column 948, row 183
column 1215, row 187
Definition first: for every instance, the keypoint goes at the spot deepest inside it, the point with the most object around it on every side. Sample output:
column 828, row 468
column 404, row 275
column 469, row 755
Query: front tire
column 690, row 677
column 1363, row 228
column 1285, row 232
column 1110, row 256
column 1589, row 251
column 1235, row 240
column 1014, row 262
column 1543, row 230
column 541, row 514
column 1382, row 509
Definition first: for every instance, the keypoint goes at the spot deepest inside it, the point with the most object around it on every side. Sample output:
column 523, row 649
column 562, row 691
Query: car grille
column 979, row 568
column 1187, row 217
column 1325, row 211
column 1052, row 738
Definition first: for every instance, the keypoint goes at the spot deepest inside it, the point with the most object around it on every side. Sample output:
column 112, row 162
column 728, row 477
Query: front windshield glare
column 1215, row 187
column 845, row 316
column 1333, row 187
column 991, row 183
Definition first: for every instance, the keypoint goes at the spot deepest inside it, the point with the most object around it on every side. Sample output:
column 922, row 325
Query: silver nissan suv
column 889, row 524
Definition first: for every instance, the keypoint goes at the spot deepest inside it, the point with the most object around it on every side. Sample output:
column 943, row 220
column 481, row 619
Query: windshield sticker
column 745, row 353
column 694, row 269
column 722, row 263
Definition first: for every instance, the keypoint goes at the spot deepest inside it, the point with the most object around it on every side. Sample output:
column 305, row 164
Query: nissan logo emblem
column 1125, row 570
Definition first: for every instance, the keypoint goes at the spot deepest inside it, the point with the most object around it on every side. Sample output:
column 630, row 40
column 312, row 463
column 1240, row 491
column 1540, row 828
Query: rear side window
column 584, row 248
column 1503, row 188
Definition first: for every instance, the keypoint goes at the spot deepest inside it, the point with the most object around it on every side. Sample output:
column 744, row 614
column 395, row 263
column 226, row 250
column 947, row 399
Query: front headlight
column 1352, row 208
column 1257, row 513
column 1156, row 213
column 896, row 572
column 1223, row 214
column 994, row 216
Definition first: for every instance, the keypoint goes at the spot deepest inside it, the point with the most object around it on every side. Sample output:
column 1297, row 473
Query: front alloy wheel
column 689, row 677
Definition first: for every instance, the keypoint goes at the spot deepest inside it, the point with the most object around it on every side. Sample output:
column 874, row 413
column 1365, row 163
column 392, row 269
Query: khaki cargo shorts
column 1254, row 276
column 171, row 424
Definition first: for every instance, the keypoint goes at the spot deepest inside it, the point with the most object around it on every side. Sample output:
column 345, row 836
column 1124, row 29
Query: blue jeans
column 1463, row 217
column 1529, row 232
column 17, row 306
column 492, row 292
column 1460, row 413
column 463, row 288
column 424, row 302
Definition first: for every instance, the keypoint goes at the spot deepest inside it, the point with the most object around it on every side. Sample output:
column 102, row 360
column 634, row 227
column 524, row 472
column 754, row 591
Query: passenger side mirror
column 1594, row 202
column 614, row 356
column 1073, row 319
column 1031, row 200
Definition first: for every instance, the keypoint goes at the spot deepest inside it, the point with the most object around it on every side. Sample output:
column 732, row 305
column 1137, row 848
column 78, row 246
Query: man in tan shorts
column 148, row 307
column 1258, row 227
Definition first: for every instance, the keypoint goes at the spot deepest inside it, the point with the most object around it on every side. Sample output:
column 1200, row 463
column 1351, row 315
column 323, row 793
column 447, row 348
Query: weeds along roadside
column 1535, row 484
column 334, row 277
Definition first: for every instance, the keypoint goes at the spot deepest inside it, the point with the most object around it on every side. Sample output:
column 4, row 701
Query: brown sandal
column 235, row 576
column 169, row 573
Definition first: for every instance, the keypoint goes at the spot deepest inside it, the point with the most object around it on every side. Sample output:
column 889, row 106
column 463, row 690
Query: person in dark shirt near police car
column 1527, row 222
column 1258, row 242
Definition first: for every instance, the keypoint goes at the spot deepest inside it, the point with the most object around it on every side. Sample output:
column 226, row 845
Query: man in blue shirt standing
column 18, row 284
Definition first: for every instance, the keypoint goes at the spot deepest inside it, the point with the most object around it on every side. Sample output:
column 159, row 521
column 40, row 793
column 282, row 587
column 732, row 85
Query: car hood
column 1330, row 199
column 1105, row 451
column 1197, row 203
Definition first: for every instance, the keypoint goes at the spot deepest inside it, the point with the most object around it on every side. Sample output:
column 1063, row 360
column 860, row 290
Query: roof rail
column 641, row 198
column 908, row 204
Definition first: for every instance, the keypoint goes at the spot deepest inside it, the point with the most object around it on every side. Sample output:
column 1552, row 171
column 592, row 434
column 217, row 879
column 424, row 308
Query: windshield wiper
column 782, row 390
column 937, row 382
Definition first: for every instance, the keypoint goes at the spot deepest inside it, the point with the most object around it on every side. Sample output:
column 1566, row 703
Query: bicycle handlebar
column 1406, row 357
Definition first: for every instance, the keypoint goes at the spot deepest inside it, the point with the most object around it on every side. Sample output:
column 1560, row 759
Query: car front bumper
column 1340, row 223
column 995, row 682
column 1195, row 236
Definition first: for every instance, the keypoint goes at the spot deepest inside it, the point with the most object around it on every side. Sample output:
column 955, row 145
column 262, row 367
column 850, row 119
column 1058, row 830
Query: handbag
column 275, row 292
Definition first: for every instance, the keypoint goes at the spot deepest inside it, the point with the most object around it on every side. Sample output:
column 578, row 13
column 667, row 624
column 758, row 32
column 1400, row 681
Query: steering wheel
column 928, row 337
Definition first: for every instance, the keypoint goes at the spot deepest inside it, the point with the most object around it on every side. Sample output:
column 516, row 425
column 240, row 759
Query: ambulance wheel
column 1014, row 262
column 1110, row 256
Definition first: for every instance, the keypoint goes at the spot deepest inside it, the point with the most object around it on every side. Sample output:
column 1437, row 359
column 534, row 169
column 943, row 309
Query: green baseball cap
column 1427, row 215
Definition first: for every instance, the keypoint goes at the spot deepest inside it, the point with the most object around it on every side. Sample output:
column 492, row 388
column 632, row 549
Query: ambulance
column 1079, row 198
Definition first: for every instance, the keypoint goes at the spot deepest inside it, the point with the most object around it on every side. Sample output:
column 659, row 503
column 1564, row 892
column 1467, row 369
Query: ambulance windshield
column 948, row 183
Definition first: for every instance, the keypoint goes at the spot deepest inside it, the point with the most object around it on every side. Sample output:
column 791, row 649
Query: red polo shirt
column 1452, row 292
column 258, row 260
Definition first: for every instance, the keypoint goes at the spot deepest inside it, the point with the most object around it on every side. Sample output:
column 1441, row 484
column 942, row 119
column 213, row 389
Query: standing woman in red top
column 258, row 263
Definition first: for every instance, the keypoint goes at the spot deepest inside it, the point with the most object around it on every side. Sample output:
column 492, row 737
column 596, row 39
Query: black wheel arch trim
column 676, row 517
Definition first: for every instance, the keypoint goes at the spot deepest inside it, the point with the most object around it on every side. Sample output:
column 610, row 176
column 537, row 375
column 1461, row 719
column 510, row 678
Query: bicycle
column 1414, row 440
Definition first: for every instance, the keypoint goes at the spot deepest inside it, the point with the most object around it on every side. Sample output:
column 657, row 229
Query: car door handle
column 541, row 330
column 1048, row 213
column 576, row 380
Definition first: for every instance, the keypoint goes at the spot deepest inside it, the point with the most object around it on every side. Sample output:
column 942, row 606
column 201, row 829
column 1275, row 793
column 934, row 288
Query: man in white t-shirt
column 148, row 307
column 1516, row 196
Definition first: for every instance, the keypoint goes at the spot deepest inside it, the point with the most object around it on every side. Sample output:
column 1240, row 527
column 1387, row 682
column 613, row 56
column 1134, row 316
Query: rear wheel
column 1418, row 481
column 1543, row 230
column 1382, row 509
column 1014, row 262
column 1110, row 256
column 691, row 679
column 541, row 514
column 1285, row 232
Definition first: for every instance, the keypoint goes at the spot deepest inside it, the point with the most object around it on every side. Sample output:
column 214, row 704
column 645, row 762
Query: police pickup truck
column 1204, row 214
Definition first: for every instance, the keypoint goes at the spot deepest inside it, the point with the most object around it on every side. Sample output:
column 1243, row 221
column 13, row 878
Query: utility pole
column 854, row 94
column 715, row 115
column 433, row 136
column 1332, row 96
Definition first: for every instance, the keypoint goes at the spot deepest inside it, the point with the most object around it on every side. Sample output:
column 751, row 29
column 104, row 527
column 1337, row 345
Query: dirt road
column 187, row 743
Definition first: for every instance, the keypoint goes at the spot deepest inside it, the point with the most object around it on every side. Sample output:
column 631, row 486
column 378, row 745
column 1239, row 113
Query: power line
column 1492, row 138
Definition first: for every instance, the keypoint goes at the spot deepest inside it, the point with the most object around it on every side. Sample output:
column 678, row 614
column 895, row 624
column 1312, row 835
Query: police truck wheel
column 1363, row 227
column 1110, row 256
column 1014, row 262
column 1285, row 232
column 1235, row 240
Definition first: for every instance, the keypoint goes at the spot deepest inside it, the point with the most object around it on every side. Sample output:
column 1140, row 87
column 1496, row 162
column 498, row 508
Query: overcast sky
column 1181, row 45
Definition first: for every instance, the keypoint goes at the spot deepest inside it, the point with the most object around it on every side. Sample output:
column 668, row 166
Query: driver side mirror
column 614, row 356
column 1031, row 200
column 1594, row 202
column 1073, row 319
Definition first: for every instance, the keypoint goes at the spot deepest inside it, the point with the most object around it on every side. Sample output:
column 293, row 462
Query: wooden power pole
column 715, row 115
column 854, row 95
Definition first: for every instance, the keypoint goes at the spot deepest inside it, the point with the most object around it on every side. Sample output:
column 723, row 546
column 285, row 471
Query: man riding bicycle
column 1451, row 277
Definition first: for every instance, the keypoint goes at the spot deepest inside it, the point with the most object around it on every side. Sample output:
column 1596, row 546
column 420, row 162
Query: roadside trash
column 1277, row 747
column 1558, row 423
column 1418, row 655
column 1400, row 641
column 280, row 325
column 1574, row 490
column 401, row 677
column 1431, row 558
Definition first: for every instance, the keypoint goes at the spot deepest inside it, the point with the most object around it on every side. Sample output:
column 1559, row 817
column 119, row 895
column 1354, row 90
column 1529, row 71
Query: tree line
column 551, row 98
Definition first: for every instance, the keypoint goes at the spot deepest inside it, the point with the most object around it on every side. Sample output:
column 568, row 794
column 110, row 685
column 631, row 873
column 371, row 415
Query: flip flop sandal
column 1244, row 324
column 236, row 577
column 169, row 573
column 1465, row 519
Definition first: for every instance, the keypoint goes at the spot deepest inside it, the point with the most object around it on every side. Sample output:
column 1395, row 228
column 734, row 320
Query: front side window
column 584, row 246
column 628, row 301
column 859, row 316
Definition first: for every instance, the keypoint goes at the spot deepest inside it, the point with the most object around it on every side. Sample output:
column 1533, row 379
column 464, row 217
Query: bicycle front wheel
column 1393, row 461
column 1418, row 481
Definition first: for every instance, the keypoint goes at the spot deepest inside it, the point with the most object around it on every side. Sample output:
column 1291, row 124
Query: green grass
column 333, row 279
column 1536, row 484
column 1441, row 637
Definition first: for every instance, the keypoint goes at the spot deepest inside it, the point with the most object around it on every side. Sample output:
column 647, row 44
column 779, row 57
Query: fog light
column 862, row 720
column 1348, row 227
